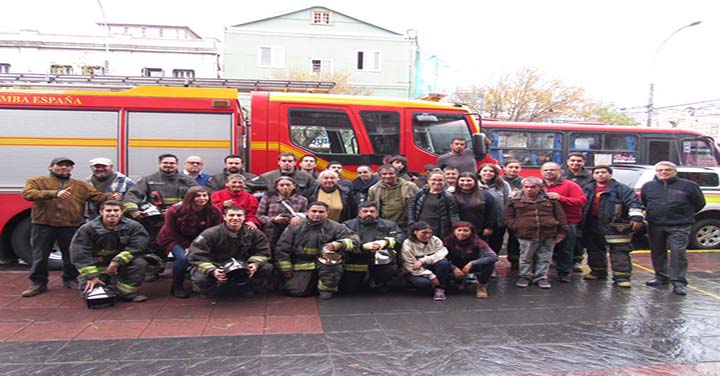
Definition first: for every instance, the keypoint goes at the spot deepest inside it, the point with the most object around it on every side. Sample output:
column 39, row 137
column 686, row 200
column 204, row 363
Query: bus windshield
column 434, row 131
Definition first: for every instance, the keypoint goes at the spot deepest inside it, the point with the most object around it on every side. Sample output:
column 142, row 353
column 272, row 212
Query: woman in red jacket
column 235, row 195
column 183, row 222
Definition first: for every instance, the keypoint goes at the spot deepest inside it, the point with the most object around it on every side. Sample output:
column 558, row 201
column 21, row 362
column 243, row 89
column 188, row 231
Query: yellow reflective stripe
column 635, row 212
column 356, row 267
column 125, row 288
column 304, row 266
column 620, row 273
column 204, row 267
column 125, row 256
column 106, row 252
column 391, row 242
column 348, row 244
column 258, row 259
column 284, row 265
column 90, row 269
column 171, row 200
column 311, row 251
column 323, row 287
column 130, row 206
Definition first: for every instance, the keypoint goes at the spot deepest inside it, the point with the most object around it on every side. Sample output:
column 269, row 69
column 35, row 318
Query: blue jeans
column 442, row 271
column 565, row 251
column 676, row 239
column 483, row 267
column 535, row 256
column 180, row 265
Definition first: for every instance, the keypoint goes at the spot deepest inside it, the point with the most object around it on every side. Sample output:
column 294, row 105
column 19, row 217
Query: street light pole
column 651, row 104
column 107, row 38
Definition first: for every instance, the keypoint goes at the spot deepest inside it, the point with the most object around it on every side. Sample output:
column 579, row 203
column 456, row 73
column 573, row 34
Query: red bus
column 536, row 143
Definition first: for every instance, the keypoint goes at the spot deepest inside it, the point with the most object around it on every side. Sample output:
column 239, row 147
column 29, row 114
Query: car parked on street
column 705, row 233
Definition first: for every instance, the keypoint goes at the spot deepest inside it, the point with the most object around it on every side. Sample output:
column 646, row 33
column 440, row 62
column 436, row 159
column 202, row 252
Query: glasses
column 195, row 163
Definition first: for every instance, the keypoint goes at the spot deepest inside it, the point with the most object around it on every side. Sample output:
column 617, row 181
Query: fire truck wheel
column 21, row 245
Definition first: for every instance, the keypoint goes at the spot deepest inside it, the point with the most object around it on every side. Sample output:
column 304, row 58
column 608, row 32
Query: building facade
column 119, row 49
column 321, row 42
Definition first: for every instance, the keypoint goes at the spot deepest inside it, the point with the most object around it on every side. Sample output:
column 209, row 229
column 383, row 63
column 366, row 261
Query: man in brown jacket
column 57, row 212
column 539, row 224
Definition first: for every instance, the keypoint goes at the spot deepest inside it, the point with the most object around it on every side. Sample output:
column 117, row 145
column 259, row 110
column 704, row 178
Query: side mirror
column 479, row 148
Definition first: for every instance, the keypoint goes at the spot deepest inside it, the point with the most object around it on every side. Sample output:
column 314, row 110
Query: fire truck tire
column 705, row 234
column 21, row 245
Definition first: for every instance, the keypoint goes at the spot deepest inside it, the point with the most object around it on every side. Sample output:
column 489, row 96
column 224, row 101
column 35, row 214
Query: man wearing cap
column 104, row 179
column 58, row 208
column 193, row 169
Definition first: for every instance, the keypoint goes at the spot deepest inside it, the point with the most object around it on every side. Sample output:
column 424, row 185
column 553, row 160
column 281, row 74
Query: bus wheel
column 705, row 234
column 21, row 246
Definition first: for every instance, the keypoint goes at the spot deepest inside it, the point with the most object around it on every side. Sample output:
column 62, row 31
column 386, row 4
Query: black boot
column 178, row 291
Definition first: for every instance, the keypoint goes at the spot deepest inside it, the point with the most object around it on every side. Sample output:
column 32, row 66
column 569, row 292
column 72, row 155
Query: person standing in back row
column 671, row 203
column 458, row 157
column 57, row 212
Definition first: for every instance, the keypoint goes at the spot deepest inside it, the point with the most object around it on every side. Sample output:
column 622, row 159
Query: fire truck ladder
column 34, row 81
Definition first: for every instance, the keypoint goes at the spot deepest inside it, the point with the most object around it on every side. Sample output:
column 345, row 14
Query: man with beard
column 286, row 167
column 57, row 211
column 233, row 165
column 111, row 246
column 163, row 189
column 104, row 179
column 380, row 239
column 458, row 157
column 219, row 244
column 308, row 164
column 309, row 254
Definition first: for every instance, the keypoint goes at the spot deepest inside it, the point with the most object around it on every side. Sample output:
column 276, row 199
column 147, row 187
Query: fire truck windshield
column 434, row 131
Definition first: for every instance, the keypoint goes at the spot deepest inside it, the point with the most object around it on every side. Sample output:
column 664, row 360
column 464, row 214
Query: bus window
column 433, row 132
column 323, row 131
column 658, row 151
column 383, row 129
column 605, row 148
column 697, row 153
column 530, row 148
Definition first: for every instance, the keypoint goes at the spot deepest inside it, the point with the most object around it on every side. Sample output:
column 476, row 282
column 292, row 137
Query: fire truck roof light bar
column 28, row 80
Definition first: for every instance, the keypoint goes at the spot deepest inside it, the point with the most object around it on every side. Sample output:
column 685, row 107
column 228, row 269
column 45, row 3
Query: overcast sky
column 604, row 46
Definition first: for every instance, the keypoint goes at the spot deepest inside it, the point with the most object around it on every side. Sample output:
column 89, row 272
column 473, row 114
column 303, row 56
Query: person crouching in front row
column 470, row 257
column 235, row 245
column 423, row 257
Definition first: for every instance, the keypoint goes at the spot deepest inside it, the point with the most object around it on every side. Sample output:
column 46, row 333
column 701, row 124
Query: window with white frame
column 183, row 73
column 91, row 70
column 61, row 69
column 321, row 65
column 320, row 17
column 152, row 72
column 368, row 61
column 272, row 57
column 4, row 68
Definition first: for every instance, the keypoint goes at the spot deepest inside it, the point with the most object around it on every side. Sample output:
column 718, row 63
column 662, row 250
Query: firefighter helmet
column 99, row 296
column 236, row 271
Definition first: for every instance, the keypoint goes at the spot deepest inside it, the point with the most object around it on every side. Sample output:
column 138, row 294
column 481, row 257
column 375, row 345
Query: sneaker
column 593, row 277
column 439, row 295
column 656, row 282
column 70, row 284
column 679, row 289
column 522, row 282
column 543, row 284
column 625, row 284
column 326, row 295
column 179, row 292
column 481, row 291
column 34, row 290
column 563, row 278
column 577, row 267
column 134, row 298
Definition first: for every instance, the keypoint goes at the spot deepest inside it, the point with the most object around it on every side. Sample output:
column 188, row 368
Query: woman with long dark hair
column 492, row 182
column 423, row 257
column 475, row 205
column 470, row 254
column 183, row 222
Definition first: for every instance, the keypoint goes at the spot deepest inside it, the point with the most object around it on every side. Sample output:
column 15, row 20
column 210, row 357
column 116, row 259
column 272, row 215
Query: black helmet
column 236, row 271
column 99, row 296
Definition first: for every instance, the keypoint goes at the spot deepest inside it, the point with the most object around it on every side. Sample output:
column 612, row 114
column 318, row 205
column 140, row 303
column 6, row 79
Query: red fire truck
column 132, row 122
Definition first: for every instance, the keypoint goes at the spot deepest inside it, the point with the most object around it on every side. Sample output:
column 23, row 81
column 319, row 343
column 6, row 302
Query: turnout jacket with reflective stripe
column 93, row 247
column 300, row 245
column 159, row 189
column 216, row 245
